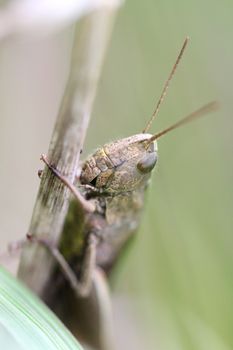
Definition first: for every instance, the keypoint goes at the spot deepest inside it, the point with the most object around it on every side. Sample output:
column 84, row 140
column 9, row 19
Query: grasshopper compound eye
column 147, row 163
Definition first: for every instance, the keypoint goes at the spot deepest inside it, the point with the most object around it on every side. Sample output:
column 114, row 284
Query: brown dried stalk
column 90, row 41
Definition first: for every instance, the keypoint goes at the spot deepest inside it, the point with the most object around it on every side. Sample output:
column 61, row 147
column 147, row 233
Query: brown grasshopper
column 110, row 193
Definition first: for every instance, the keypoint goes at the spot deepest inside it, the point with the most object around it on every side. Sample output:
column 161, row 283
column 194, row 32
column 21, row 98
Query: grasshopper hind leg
column 88, row 309
column 82, row 285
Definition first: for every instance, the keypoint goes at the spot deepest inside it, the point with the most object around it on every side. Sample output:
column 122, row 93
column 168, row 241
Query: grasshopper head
column 121, row 166
column 134, row 160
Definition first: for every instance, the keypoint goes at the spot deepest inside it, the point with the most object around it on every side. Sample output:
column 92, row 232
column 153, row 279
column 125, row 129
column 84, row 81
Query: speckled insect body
column 111, row 191
column 118, row 175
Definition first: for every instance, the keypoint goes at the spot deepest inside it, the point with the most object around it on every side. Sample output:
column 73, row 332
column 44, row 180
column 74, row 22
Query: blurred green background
column 178, row 274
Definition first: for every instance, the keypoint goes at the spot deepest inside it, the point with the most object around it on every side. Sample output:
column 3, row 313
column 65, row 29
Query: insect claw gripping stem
column 40, row 173
column 87, row 205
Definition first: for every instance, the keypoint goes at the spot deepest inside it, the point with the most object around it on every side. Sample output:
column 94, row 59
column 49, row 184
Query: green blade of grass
column 26, row 323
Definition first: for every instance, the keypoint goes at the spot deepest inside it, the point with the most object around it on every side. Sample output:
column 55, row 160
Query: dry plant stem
column 90, row 41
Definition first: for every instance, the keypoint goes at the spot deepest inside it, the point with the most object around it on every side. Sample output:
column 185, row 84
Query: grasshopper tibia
column 81, row 286
column 87, row 205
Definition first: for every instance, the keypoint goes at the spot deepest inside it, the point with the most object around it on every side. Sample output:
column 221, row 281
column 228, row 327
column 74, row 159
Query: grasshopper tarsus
column 40, row 173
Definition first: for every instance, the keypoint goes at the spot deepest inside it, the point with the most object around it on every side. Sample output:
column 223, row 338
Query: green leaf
column 27, row 323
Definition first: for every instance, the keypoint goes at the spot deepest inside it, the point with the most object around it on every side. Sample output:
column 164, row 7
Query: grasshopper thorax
column 121, row 166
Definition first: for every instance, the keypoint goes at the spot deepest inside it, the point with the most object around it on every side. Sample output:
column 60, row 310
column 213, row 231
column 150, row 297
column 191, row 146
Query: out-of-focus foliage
column 26, row 323
column 181, row 264
column 180, row 267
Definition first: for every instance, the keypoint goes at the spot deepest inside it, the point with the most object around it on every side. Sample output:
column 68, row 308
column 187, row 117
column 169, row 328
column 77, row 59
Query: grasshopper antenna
column 209, row 107
column 164, row 91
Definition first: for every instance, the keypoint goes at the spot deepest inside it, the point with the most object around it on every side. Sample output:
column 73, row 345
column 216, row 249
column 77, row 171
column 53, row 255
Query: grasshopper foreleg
column 87, row 205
